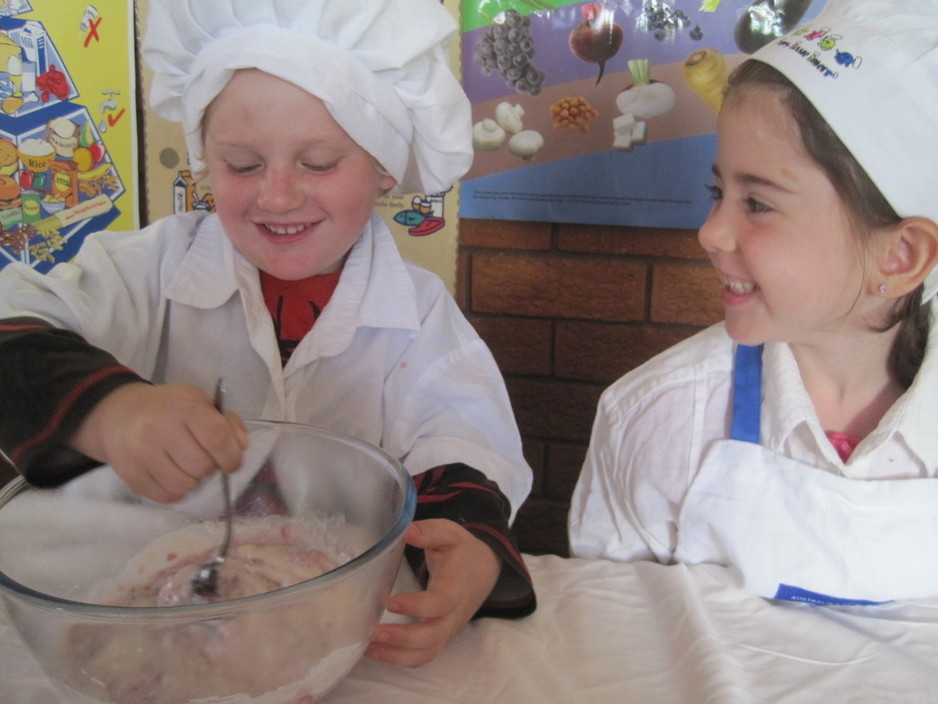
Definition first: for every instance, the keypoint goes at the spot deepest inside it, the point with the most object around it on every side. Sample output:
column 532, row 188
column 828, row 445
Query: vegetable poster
column 603, row 112
column 67, row 126
column 424, row 225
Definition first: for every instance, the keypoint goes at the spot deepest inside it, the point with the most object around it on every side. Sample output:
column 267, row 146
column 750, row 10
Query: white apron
column 786, row 530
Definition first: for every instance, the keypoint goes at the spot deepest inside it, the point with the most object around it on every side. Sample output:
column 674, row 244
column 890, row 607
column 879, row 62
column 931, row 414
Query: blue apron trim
column 747, row 394
column 790, row 593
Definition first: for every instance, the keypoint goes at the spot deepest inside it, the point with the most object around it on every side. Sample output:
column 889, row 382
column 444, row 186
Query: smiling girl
column 791, row 448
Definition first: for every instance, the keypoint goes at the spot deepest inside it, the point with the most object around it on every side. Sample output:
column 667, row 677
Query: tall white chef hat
column 870, row 67
column 380, row 66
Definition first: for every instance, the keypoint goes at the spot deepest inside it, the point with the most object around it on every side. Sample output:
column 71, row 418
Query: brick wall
column 566, row 310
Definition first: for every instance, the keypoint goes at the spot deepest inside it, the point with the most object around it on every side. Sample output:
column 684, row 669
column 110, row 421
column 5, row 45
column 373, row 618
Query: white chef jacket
column 391, row 359
column 655, row 424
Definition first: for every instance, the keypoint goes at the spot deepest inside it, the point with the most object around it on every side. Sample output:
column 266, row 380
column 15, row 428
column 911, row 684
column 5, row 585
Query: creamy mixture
column 238, row 658
column 265, row 554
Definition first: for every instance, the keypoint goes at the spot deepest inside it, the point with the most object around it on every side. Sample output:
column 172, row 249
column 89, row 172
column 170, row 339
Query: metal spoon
column 205, row 580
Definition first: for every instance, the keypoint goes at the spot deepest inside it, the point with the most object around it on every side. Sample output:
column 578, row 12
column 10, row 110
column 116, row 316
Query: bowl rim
column 226, row 607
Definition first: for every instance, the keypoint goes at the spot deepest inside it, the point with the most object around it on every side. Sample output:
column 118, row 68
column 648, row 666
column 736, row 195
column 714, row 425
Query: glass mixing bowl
column 66, row 555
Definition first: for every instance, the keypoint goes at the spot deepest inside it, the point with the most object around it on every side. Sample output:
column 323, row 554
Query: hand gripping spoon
column 205, row 580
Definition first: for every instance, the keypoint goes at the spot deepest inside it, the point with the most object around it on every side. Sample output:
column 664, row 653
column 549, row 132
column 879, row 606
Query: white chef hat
column 380, row 66
column 870, row 67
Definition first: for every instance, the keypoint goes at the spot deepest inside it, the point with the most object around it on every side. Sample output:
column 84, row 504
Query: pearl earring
column 883, row 288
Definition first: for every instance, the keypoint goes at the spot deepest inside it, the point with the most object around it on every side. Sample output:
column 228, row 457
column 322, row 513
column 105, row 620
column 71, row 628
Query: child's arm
column 163, row 441
column 459, row 493
column 462, row 550
column 68, row 406
column 50, row 379
column 462, row 572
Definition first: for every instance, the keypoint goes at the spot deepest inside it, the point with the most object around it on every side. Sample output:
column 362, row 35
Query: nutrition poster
column 603, row 112
column 424, row 225
column 67, row 126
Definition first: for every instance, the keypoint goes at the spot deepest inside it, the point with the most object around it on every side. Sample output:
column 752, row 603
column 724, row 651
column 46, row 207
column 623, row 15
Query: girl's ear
column 911, row 253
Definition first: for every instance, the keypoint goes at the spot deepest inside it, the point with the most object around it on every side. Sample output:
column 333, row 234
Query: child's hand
column 463, row 571
column 161, row 440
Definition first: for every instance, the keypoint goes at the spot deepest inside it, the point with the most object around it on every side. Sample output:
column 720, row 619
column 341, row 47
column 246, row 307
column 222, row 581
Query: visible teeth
column 740, row 286
column 286, row 229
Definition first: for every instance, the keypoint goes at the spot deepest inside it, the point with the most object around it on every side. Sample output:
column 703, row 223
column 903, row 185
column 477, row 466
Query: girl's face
column 792, row 267
column 292, row 190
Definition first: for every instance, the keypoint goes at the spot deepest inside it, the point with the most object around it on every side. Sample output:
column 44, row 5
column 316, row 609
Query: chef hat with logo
column 870, row 67
column 381, row 67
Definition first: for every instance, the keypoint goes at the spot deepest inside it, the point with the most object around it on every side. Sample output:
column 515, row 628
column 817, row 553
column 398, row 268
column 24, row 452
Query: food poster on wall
column 424, row 225
column 604, row 112
column 67, row 126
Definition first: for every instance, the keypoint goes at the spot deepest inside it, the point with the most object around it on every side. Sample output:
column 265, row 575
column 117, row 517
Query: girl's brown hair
column 866, row 207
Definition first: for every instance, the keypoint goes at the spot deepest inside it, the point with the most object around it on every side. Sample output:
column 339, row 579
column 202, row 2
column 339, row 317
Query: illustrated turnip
column 645, row 98
column 597, row 38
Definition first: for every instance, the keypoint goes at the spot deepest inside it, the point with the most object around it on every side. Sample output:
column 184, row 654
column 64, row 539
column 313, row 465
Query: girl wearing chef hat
column 301, row 114
column 792, row 447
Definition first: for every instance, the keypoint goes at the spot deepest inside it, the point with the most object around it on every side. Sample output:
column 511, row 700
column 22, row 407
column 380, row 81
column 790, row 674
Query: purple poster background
column 613, row 166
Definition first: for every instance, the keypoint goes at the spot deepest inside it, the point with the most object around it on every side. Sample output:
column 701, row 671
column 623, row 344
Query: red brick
column 604, row 352
column 566, row 310
column 541, row 527
column 463, row 279
column 535, row 454
column 564, row 462
column 519, row 345
column 552, row 409
column 687, row 294
column 630, row 241
column 504, row 234
column 558, row 287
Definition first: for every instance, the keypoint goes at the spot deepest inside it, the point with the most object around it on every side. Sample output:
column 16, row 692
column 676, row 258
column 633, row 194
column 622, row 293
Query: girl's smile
column 735, row 287
column 778, row 236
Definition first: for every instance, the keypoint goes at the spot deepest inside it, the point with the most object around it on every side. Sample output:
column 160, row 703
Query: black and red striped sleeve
column 465, row 495
column 49, row 380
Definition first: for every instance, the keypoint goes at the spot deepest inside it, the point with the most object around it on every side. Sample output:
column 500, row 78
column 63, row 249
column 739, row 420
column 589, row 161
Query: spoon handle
column 225, row 488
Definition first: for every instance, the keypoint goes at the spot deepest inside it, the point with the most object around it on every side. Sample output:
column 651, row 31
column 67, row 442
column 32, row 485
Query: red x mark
column 93, row 31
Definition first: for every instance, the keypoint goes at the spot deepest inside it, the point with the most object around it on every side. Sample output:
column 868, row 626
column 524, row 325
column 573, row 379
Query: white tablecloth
column 643, row 633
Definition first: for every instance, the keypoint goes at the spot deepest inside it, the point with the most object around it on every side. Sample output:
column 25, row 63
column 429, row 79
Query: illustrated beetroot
column 597, row 38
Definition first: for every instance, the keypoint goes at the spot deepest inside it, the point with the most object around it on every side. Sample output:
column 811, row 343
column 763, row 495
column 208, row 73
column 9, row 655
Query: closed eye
column 241, row 168
column 321, row 168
